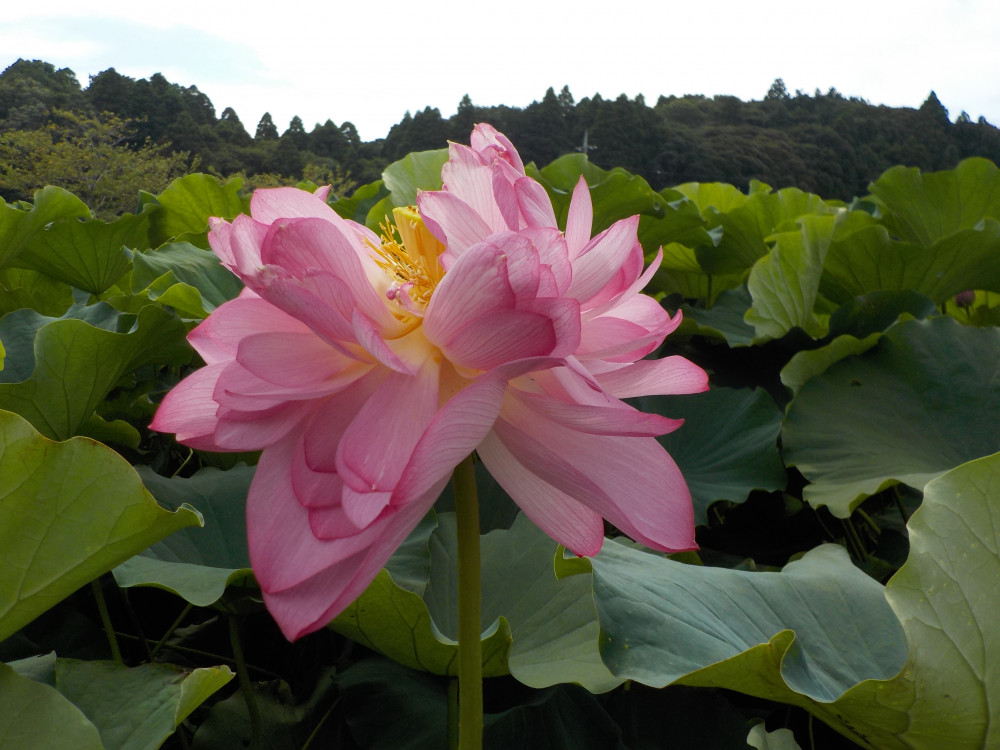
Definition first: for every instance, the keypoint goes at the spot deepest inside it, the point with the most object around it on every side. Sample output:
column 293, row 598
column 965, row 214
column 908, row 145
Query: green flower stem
column 170, row 631
column 470, row 650
column 243, row 674
column 102, row 608
column 453, row 714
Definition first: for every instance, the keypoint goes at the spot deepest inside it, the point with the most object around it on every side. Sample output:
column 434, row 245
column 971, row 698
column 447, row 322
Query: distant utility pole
column 586, row 148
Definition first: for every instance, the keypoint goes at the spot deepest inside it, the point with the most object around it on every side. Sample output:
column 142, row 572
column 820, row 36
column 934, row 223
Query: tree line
column 825, row 143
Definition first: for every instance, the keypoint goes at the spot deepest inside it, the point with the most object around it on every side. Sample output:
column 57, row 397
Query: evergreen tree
column 231, row 130
column 266, row 130
column 296, row 133
column 31, row 90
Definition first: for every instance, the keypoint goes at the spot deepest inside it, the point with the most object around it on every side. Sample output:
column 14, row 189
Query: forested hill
column 822, row 142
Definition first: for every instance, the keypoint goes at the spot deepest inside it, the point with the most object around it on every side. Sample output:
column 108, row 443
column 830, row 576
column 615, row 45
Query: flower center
column 411, row 261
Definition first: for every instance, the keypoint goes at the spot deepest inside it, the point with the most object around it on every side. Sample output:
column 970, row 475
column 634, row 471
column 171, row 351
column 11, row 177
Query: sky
column 369, row 63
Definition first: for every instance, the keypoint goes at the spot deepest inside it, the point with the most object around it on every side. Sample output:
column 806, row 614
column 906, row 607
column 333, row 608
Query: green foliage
column 70, row 511
column 849, row 388
column 34, row 715
column 84, row 155
column 852, row 429
column 136, row 708
column 728, row 445
column 825, row 144
column 196, row 564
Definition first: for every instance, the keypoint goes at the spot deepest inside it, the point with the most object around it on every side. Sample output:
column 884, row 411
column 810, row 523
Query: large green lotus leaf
column 726, row 447
column 726, row 319
column 680, row 273
column 874, row 312
column 618, row 194
column 18, row 226
column 420, row 170
column 946, row 597
column 916, row 405
column 136, row 708
column 360, row 203
column 34, row 715
column 779, row 739
column 615, row 194
column 720, row 196
column 553, row 623
column 663, row 621
column 66, row 366
column 189, row 265
column 784, row 283
column 89, row 255
column 396, row 622
column 414, row 172
column 673, row 219
column 68, row 513
column 20, row 288
column 391, row 617
column 924, row 208
column 288, row 721
column 745, row 228
column 812, row 362
column 868, row 261
column 197, row 563
column 186, row 300
column 188, row 202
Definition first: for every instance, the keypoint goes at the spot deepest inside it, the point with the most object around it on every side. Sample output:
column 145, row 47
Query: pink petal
column 361, row 508
column 615, row 418
column 613, row 295
column 603, row 258
column 506, row 201
column 312, row 249
column 241, row 391
column 501, row 336
column 453, row 222
column 557, row 273
column 297, row 360
column 238, row 244
column 564, row 519
column 633, row 329
column 377, row 445
column 189, row 409
column 607, row 337
column 317, row 600
column 466, row 177
column 218, row 336
column 307, row 581
column 491, row 144
column 371, row 338
column 579, row 219
column 475, row 285
column 254, row 430
column 536, row 208
column 331, row 418
column 316, row 302
column 655, row 377
column 630, row 481
column 270, row 205
column 456, row 430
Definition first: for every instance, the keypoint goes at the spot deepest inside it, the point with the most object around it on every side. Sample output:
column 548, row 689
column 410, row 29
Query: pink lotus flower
column 368, row 367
